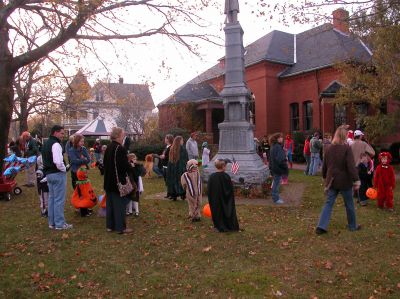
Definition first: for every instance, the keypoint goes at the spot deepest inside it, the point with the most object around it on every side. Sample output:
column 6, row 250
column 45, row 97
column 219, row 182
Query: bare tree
column 133, row 115
column 82, row 20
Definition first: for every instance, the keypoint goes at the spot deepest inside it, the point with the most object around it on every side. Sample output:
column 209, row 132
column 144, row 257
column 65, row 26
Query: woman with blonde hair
column 178, row 158
column 341, row 176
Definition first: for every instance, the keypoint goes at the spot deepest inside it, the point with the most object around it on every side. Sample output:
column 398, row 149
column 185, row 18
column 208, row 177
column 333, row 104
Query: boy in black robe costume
column 221, row 199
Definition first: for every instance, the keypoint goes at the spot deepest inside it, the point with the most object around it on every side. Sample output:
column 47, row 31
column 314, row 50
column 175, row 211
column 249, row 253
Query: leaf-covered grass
column 277, row 254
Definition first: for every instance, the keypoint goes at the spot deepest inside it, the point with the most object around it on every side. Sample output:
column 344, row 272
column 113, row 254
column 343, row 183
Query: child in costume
column 43, row 188
column 289, row 148
column 384, row 181
column 191, row 182
column 365, row 176
column 221, row 198
column 135, row 174
column 205, row 157
column 83, row 197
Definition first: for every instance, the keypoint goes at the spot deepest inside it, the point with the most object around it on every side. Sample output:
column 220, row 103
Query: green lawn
column 277, row 254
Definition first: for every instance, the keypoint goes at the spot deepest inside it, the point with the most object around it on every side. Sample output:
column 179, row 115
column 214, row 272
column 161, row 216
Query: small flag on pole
column 235, row 166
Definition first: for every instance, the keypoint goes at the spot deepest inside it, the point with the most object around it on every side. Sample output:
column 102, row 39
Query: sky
column 166, row 66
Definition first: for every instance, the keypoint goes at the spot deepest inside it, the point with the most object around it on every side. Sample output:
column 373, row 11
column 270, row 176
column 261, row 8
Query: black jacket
column 110, row 179
column 278, row 162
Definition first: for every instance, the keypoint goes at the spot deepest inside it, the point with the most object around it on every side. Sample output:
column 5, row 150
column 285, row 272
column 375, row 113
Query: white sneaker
column 65, row 226
column 279, row 202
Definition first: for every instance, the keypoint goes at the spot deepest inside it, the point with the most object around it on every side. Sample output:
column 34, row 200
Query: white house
column 127, row 105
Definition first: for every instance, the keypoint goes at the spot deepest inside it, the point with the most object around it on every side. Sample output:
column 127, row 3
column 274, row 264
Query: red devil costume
column 384, row 181
column 83, row 197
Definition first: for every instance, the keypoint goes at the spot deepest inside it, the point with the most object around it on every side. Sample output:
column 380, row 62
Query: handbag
column 124, row 190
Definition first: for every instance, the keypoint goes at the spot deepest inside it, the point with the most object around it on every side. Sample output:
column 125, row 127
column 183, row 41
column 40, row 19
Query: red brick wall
column 274, row 96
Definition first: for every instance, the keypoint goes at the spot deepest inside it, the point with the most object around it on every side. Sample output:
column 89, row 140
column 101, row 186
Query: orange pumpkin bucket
column 207, row 211
column 371, row 193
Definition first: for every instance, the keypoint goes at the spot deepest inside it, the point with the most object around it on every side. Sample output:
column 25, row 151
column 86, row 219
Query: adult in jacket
column 341, row 176
column 178, row 158
column 277, row 165
column 116, row 164
column 78, row 156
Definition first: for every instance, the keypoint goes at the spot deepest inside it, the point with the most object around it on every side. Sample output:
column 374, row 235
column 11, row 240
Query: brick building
column 292, row 79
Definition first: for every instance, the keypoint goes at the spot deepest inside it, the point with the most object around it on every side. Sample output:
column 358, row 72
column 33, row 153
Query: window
column 340, row 115
column 294, row 117
column 383, row 107
column 100, row 95
column 307, row 116
column 361, row 113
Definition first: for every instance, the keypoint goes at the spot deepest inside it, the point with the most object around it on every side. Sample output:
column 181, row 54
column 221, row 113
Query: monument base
column 237, row 143
column 251, row 168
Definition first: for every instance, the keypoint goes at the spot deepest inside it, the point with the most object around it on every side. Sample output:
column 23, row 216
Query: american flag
column 235, row 166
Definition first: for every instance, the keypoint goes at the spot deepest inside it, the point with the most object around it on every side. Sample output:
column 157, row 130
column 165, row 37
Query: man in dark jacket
column 55, row 171
column 277, row 165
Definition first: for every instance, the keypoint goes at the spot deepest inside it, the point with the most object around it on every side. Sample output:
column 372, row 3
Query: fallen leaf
column 64, row 236
column 398, row 285
column 328, row 265
column 207, row 249
column 278, row 293
column 80, row 285
column 41, row 265
column 73, row 277
column 127, row 272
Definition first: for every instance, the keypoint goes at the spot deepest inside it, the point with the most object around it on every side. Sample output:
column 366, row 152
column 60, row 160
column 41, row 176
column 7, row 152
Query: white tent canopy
column 97, row 127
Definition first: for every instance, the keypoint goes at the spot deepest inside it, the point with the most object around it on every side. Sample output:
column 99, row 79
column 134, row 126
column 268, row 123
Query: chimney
column 341, row 20
column 121, row 80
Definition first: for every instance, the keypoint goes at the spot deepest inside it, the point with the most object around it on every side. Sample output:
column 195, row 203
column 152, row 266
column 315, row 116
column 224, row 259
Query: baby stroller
column 8, row 184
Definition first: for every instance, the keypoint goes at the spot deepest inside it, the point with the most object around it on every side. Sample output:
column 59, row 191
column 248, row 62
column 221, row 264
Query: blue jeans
column 275, row 187
column 57, row 183
column 97, row 156
column 314, row 164
column 330, row 201
column 157, row 171
column 308, row 161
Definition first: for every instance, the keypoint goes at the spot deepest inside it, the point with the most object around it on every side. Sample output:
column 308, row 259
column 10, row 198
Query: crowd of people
column 346, row 162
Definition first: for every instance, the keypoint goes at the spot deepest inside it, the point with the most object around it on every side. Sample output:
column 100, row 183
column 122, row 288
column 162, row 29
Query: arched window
column 307, row 116
column 294, row 117
column 340, row 115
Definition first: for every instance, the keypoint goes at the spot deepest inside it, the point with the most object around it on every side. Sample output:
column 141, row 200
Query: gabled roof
column 276, row 46
column 331, row 90
column 124, row 90
column 192, row 93
column 317, row 48
column 325, row 46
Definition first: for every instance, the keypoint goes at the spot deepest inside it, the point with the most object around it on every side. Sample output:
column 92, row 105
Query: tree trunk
column 6, row 106
column 23, row 122
column 6, row 93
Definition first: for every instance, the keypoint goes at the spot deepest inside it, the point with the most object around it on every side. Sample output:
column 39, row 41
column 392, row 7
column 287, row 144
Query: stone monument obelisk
column 236, row 137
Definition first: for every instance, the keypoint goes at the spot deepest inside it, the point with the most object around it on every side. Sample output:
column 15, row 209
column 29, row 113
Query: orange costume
column 384, row 181
column 83, row 196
